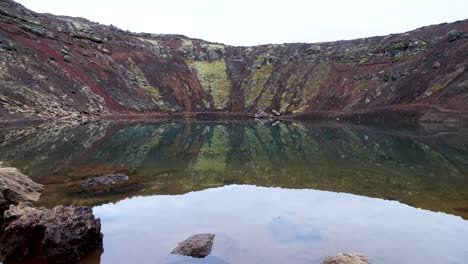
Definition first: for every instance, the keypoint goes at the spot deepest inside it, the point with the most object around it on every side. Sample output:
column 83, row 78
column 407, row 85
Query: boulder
column 16, row 211
column 346, row 259
column 16, row 187
column 197, row 246
column 64, row 234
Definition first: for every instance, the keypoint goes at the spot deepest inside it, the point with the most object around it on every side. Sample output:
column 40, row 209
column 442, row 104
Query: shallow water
column 271, row 192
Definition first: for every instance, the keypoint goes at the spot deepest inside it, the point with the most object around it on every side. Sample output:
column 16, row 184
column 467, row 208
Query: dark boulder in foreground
column 346, row 259
column 197, row 246
column 64, row 234
column 16, row 187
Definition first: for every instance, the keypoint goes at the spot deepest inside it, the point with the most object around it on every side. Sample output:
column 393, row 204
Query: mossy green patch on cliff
column 259, row 78
column 311, row 87
column 214, row 81
column 293, row 84
column 137, row 76
column 450, row 78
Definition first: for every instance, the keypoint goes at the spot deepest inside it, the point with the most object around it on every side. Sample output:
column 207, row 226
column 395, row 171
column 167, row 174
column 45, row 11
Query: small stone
column 67, row 58
column 454, row 35
column 64, row 51
column 436, row 65
column 197, row 246
column 346, row 259
column 262, row 114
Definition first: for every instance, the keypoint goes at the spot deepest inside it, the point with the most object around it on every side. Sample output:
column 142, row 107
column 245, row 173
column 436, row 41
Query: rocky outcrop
column 346, row 259
column 64, row 234
column 77, row 69
column 16, row 187
column 197, row 246
column 16, row 211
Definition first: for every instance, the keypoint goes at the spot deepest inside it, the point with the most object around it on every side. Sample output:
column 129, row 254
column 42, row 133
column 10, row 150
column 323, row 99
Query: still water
column 272, row 192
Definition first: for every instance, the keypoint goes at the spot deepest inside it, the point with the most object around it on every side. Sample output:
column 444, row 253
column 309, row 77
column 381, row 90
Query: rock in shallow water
column 105, row 180
column 197, row 246
column 64, row 234
column 16, row 187
column 346, row 259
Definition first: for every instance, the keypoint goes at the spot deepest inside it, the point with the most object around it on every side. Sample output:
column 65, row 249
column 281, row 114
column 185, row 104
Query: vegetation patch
column 259, row 78
column 214, row 81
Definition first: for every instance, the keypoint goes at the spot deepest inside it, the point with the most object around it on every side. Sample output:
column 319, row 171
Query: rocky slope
column 64, row 67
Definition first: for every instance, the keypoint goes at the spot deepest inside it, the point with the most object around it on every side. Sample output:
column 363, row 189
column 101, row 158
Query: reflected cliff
column 420, row 167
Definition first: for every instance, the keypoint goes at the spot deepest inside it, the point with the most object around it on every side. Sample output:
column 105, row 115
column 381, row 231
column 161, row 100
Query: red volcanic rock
column 81, row 69
column 64, row 234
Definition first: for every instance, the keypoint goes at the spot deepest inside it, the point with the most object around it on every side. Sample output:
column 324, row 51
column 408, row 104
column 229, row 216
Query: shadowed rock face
column 16, row 187
column 63, row 234
column 57, row 67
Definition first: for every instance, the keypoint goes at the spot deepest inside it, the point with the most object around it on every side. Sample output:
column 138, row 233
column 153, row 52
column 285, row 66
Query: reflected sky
column 274, row 225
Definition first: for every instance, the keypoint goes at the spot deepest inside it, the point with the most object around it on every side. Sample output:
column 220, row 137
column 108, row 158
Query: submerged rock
column 346, row 259
column 105, row 180
column 16, row 187
column 64, row 234
column 197, row 246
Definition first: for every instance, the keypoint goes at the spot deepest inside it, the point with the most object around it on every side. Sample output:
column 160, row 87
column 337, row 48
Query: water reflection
column 273, row 225
column 419, row 167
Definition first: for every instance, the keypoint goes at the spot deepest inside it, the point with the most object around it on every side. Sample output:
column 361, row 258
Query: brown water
column 271, row 192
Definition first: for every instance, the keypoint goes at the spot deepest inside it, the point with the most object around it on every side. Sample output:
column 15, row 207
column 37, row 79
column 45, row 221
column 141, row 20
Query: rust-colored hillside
column 62, row 67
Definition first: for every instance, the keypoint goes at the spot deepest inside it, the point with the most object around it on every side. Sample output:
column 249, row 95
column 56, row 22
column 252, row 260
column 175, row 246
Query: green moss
column 286, row 100
column 358, row 86
column 214, row 81
column 442, row 84
column 293, row 83
column 143, row 83
column 312, row 86
column 259, row 79
column 214, row 47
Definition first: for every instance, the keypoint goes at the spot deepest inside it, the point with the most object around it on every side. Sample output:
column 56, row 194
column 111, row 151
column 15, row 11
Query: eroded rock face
column 78, row 69
column 16, row 211
column 346, row 259
column 197, row 246
column 16, row 187
column 64, row 234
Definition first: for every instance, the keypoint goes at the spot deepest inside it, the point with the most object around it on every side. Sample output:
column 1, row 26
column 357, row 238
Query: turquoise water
column 272, row 192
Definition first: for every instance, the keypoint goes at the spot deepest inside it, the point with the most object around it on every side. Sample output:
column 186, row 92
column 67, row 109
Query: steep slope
column 62, row 67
